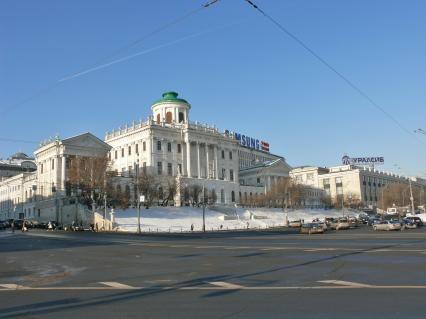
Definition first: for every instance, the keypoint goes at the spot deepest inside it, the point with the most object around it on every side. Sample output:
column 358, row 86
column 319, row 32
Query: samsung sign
column 346, row 160
column 250, row 142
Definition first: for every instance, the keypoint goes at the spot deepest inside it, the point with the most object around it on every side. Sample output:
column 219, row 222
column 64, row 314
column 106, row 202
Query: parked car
column 3, row 225
column 295, row 224
column 353, row 222
column 387, row 225
column 415, row 220
column 18, row 223
column 408, row 224
column 311, row 228
column 340, row 223
column 373, row 220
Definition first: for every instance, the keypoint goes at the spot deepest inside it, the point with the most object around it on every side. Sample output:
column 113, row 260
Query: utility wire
column 5, row 139
column 333, row 69
column 149, row 50
column 109, row 56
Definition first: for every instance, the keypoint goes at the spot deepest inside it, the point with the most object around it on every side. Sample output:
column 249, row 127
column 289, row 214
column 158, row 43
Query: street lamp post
column 204, row 209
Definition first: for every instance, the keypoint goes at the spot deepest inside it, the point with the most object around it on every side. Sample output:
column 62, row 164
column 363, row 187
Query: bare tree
column 88, row 177
column 148, row 184
column 194, row 193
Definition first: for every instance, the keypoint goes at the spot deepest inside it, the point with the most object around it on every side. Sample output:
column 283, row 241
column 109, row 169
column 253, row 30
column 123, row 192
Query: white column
column 207, row 161
column 63, row 175
column 216, row 166
column 188, row 158
column 198, row 160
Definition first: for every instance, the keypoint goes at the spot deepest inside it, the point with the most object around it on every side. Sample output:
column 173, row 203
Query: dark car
column 18, row 223
column 3, row 225
column 415, row 220
column 373, row 220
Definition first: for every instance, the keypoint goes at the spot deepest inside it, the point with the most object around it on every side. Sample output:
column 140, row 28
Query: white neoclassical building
column 169, row 144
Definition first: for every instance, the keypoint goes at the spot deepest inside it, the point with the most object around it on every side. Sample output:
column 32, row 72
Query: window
column 258, row 180
column 223, row 173
column 158, row 118
column 137, row 149
column 144, row 167
column 144, row 146
column 116, row 155
column 169, row 117
column 122, row 152
column 169, row 147
column 130, row 150
column 159, row 168
column 180, row 168
column 181, row 117
column 231, row 174
column 179, row 148
column 53, row 164
column 169, row 169
column 223, row 154
column 41, row 168
column 109, row 156
column 158, row 145
column 230, row 155
column 233, row 196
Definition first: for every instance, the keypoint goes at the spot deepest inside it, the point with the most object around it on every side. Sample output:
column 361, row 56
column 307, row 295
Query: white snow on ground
column 179, row 219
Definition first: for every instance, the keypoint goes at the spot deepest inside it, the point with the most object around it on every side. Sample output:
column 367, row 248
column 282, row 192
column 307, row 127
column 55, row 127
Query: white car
column 387, row 225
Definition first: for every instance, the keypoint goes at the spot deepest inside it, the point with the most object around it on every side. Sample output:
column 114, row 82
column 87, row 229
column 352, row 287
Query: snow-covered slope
column 174, row 219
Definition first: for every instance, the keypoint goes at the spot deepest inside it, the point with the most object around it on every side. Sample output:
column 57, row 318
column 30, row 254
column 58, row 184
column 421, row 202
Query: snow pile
column 180, row 219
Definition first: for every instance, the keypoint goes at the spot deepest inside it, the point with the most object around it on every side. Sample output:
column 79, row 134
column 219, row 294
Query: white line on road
column 117, row 285
column 12, row 286
column 230, row 287
column 345, row 283
column 225, row 285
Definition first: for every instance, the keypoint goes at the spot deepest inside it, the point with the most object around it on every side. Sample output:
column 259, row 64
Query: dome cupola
column 170, row 109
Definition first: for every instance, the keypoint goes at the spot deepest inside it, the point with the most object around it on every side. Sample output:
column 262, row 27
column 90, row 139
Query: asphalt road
column 268, row 274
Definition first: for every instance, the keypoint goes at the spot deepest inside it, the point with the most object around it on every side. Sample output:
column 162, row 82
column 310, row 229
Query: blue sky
column 241, row 73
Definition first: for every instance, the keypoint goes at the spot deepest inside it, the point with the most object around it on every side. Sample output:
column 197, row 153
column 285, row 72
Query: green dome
column 170, row 97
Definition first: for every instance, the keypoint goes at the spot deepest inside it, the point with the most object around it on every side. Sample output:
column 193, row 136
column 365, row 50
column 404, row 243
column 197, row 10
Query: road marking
column 13, row 286
column 225, row 285
column 114, row 284
column 345, row 283
column 217, row 286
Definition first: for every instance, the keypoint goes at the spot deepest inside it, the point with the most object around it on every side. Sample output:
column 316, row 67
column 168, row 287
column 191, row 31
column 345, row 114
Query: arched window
column 158, row 118
column 233, row 196
column 181, row 117
column 169, row 117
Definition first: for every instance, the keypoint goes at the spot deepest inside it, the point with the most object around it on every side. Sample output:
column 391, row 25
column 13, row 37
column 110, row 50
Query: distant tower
column 170, row 109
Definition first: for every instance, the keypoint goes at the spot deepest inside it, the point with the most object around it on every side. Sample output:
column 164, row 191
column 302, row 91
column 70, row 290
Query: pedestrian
column 97, row 227
column 13, row 226
column 221, row 226
column 50, row 226
column 24, row 228
column 192, row 227
column 247, row 225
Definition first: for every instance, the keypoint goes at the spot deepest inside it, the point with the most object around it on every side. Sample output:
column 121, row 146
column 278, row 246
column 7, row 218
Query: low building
column 16, row 164
column 352, row 184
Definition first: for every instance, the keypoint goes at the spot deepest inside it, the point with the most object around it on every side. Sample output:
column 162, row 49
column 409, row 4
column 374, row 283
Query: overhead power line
column 333, row 69
column 4, row 139
column 109, row 56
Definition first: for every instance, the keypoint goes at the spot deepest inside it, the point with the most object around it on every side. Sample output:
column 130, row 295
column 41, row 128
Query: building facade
column 171, row 145
column 353, row 184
